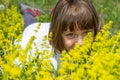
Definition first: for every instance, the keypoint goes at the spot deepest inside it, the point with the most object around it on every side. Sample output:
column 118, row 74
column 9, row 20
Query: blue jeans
column 28, row 19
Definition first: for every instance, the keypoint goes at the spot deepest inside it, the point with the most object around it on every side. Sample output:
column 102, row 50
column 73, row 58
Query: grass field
column 109, row 10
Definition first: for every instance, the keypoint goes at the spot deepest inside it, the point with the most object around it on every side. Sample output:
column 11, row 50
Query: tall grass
column 109, row 10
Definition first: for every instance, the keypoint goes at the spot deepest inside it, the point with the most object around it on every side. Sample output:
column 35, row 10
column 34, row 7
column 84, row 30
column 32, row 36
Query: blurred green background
column 108, row 9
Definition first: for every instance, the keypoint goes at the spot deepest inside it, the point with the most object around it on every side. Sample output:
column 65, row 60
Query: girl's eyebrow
column 69, row 32
column 90, row 30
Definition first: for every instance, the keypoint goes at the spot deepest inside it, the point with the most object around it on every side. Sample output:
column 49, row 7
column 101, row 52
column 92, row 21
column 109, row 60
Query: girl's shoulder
column 34, row 26
column 38, row 30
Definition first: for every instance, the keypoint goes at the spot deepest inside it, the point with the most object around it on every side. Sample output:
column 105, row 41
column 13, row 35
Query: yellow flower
column 15, row 72
column 7, row 68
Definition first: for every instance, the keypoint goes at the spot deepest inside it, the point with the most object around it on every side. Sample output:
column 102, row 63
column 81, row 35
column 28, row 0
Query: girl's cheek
column 69, row 44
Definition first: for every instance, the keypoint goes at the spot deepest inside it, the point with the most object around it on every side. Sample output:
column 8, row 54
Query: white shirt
column 41, row 32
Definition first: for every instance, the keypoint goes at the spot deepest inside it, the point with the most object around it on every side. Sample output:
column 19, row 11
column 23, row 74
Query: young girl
column 71, row 20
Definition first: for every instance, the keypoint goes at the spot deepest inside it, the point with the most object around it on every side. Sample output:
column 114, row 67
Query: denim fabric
column 28, row 19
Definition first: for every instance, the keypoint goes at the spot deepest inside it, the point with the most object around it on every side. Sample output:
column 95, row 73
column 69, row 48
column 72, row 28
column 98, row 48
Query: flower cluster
column 11, row 26
column 97, row 61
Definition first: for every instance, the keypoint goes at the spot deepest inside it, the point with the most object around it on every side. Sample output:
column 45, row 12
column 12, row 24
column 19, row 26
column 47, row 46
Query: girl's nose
column 79, row 41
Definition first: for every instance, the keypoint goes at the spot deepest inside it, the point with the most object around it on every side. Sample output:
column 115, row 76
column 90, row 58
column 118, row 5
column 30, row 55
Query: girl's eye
column 71, row 35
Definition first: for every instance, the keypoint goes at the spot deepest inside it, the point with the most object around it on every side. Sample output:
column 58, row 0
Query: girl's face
column 71, row 38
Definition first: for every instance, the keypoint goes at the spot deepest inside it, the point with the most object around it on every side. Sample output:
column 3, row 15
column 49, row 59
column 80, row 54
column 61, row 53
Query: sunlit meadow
column 99, row 60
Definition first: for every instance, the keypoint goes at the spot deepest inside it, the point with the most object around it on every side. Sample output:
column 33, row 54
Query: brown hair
column 72, row 14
